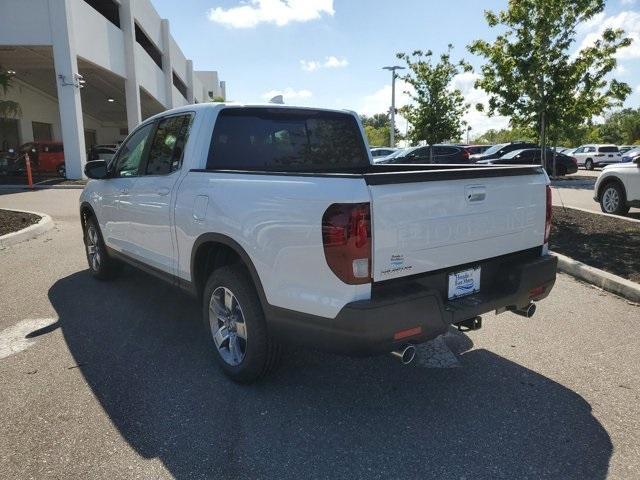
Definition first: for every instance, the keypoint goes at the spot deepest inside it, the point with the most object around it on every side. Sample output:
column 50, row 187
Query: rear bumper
column 368, row 327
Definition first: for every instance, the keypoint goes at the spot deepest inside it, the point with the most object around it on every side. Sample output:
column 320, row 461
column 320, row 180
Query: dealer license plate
column 464, row 283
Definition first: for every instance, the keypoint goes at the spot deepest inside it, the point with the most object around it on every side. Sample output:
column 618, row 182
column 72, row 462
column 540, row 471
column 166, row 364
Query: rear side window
column 286, row 140
column 445, row 150
column 609, row 149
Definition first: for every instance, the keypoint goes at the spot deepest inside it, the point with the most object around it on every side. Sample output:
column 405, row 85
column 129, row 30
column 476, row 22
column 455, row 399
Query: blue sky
column 330, row 52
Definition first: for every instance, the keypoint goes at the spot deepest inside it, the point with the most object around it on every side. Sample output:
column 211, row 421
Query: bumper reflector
column 536, row 292
column 410, row 332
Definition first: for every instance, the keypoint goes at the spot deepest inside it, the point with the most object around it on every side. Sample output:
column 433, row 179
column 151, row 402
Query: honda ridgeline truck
column 278, row 221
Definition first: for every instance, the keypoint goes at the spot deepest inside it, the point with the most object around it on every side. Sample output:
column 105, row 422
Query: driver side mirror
column 96, row 169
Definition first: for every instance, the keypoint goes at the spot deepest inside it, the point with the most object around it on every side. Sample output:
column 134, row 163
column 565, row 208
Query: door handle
column 163, row 191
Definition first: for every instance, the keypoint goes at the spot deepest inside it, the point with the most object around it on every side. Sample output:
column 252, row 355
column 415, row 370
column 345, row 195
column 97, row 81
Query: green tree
column 505, row 135
column 437, row 108
column 533, row 76
column 622, row 127
column 378, row 137
column 377, row 128
column 8, row 108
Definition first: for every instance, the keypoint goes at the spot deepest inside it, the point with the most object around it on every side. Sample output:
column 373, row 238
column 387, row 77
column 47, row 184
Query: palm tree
column 8, row 108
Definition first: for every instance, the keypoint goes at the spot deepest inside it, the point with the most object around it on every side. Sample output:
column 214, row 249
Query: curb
column 44, row 225
column 605, row 280
column 619, row 217
column 42, row 187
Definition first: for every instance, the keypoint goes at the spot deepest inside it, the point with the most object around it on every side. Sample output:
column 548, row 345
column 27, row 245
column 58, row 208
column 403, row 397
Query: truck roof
column 221, row 105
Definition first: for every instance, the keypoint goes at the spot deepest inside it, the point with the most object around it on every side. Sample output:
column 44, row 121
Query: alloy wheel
column 610, row 200
column 228, row 326
column 93, row 249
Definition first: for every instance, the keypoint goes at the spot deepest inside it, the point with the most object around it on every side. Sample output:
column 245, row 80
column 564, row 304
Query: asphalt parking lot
column 577, row 191
column 113, row 380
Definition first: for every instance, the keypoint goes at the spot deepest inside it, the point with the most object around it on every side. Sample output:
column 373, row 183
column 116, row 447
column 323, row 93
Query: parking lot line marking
column 15, row 338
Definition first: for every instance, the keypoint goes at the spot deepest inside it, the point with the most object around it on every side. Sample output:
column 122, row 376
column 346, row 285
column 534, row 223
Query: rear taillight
column 346, row 238
column 547, row 221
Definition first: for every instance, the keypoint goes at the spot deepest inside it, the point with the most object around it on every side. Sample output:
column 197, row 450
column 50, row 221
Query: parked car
column 421, row 155
column 102, row 152
column 591, row 156
column 500, row 149
column 625, row 148
column 618, row 187
column 379, row 152
column 631, row 155
column 533, row 156
column 274, row 218
column 45, row 157
column 7, row 162
column 476, row 149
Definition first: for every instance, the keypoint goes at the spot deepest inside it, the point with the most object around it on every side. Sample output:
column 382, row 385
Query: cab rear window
column 280, row 139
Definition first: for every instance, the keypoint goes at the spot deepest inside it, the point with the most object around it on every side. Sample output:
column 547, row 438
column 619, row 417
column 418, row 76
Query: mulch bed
column 607, row 243
column 11, row 221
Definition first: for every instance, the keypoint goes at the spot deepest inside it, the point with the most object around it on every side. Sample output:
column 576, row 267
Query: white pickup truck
column 278, row 221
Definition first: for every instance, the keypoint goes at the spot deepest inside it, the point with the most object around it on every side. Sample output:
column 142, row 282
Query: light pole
column 392, row 130
column 468, row 130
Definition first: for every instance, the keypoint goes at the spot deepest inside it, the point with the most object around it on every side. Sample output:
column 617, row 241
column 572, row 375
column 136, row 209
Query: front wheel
column 588, row 164
column 236, row 327
column 62, row 171
column 613, row 200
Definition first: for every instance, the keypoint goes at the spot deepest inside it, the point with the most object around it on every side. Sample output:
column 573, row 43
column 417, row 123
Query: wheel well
column 210, row 256
column 608, row 182
column 85, row 212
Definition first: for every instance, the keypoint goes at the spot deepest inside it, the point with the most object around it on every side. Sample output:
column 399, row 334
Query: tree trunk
column 543, row 139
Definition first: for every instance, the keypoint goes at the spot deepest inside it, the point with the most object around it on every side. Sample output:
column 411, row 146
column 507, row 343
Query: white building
column 88, row 71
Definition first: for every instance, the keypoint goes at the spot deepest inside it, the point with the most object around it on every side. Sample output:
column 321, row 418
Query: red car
column 46, row 157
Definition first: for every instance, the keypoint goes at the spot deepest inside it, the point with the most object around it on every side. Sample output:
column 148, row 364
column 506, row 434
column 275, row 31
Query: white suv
column 590, row 156
column 618, row 188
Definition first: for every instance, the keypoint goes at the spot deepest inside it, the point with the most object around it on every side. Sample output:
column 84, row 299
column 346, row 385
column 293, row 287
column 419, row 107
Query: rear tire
column 588, row 164
column 612, row 200
column 101, row 265
column 235, row 325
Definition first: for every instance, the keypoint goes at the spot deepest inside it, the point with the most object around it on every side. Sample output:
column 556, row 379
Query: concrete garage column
column 69, row 101
column 131, row 84
column 189, row 81
column 167, row 66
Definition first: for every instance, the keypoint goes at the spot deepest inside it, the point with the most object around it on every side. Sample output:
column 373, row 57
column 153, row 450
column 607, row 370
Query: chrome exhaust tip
column 405, row 354
column 526, row 312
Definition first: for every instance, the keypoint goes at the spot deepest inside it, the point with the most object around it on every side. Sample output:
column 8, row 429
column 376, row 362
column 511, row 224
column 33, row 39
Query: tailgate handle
column 475, row 193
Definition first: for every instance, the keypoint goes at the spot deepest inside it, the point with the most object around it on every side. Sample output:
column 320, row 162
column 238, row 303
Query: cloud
column 627, row 20
column 621, row 70
column 628, row 2
column 380, row 101
column 329, row 62
column 479, row 122
column 288, row 94
column 279, row 12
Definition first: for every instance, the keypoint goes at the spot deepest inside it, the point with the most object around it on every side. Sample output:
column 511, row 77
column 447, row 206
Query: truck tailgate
column 431, row 224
